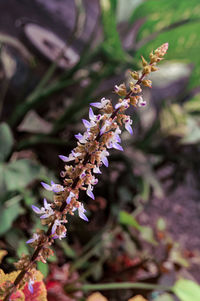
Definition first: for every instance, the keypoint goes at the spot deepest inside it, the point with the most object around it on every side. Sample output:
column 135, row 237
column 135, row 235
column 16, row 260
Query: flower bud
column 144, row 62
column 134, row 75
column 121, row 90
column 147, row 83
column 147, row 69
column 153, row 68
column 135, row 88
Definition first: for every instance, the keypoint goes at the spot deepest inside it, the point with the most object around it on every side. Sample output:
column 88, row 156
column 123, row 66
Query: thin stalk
column 124, row 285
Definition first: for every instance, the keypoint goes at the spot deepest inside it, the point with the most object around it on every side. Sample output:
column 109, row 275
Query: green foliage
column 112, row 44
column 8, row 215
column 187, row 290
column 162, row 15
column 7, row 141
column 146, row 232
column 43, row 268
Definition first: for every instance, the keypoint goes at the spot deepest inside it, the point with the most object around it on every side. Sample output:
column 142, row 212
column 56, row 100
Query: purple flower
column 86, row 123
column 104, row 127
column 56, row 224
column 102, row 104
column 46, row 210
column 103, row 157
column 96, row 169
column 35, row 237
column 71, row 156
column 124, row 103
column 89, row 191
column 70, row 196
column 30, row 285
column 56, row 188
column 141, row 102
column 81, row 212
column 128, row 123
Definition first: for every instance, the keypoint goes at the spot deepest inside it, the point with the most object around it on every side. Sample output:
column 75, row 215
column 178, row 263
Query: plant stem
column 124, row 285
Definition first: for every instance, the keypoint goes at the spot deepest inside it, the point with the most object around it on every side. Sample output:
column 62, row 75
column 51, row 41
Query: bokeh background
column 55, row 58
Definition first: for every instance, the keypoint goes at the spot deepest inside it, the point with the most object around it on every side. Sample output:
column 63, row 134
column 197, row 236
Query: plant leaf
column 20, row 173
column 6, row 139
column 112, row 44
column 187, row 290
column 8, row 215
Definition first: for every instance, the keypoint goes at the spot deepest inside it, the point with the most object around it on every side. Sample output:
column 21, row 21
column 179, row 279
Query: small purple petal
column 30, row 241
column 129, row 128
column 46, row 186
column 118, row 105
column 86, row 123
column 91, row 114
column 45, row 204
column 53, row 230
column 83, row 216
column 79, row 136
column 44, row 216
column 36, row 209
column 90, row 194
column 118, row 146
column 96, row 105
column 30, row 286
column 64, row 158
column 105, row 161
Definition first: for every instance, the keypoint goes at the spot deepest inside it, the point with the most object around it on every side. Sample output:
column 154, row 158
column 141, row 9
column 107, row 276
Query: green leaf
column 43, row 268
column 148, row 235
column 112, row 44
column 7, row 217
column 145, row 231
column 187, row 290
column 128, row 220
column 169, row 12
column 22, row 248
column 6, row 141
column 69, row 252
column 19, row 174
column 183, row 46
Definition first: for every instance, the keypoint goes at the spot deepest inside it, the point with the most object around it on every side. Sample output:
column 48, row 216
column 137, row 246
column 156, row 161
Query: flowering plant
column 102, row 133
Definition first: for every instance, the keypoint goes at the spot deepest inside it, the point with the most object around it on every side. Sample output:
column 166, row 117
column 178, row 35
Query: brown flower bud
column 134, row 75
column 153, row 68
column 147, row 83
column 135, row 88
column 144, row 62
column 133, row 101
column 147, row 69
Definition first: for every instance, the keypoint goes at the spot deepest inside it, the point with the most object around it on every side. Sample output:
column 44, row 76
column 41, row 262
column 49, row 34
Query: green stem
column 124, row 285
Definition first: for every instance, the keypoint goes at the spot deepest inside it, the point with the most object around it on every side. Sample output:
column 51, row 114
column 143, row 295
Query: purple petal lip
column 86, row 123
column 46, row 186
column 83, row 216
column 91, row 113
column 78, row 136
column 90, row 194
column 105, row 161
column 44, row 216
column 30, row 241
column 118, row 146
column 30, row 287
column 36, row 209
column 63, row 158
column 96, row 104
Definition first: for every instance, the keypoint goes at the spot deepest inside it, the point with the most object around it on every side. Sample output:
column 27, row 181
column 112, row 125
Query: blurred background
column 55, row 58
